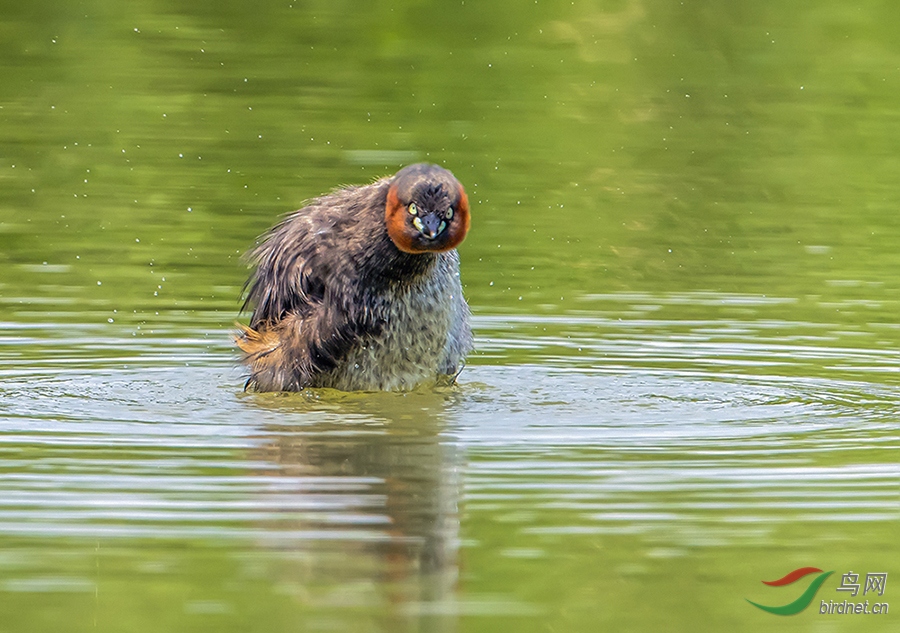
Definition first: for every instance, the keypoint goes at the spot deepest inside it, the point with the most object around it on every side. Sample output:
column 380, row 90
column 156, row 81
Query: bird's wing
column 287, row 278
column 307, row 314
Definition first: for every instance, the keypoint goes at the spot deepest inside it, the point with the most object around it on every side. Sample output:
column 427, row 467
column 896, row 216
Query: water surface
column 682, row 268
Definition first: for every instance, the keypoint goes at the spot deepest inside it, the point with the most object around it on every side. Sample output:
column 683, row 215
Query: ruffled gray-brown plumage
column 360, row 289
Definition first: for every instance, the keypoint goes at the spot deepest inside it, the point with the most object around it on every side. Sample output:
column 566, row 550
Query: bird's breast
column 408, row 347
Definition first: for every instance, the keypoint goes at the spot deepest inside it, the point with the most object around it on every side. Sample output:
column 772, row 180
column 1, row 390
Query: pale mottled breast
column 425, row 336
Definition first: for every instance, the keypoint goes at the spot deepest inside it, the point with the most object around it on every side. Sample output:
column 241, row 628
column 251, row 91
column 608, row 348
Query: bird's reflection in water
column 370, row 505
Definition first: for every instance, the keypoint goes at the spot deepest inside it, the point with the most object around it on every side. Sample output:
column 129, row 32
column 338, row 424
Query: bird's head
column 426, row 210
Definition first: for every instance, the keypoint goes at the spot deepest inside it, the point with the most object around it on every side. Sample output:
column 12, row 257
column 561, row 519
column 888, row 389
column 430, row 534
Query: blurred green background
column 607, row 146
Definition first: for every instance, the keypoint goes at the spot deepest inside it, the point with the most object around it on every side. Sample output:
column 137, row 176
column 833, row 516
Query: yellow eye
column 413, row 209
column 450, row 213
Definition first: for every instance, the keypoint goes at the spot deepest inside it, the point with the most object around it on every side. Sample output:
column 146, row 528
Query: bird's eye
column 413, row 209
column 450, row 213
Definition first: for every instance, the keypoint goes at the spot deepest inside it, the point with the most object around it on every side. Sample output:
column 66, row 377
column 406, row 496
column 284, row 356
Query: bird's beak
column 430, row 226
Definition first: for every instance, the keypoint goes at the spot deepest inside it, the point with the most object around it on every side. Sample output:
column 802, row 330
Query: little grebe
column 360, row 289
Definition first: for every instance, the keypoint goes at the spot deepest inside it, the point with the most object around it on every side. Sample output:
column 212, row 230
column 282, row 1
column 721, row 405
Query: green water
column 683, row 269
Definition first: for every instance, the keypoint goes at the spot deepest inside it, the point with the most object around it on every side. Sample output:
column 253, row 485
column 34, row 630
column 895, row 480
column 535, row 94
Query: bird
column 360, row 289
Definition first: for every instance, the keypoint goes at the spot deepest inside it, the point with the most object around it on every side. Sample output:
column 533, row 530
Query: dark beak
column 431, row 226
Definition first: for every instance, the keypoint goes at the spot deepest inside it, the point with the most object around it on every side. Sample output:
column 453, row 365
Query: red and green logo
column 805, row 598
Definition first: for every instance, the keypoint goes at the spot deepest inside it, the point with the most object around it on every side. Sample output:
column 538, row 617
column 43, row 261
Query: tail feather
column 263, row 353
column 255, row 344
